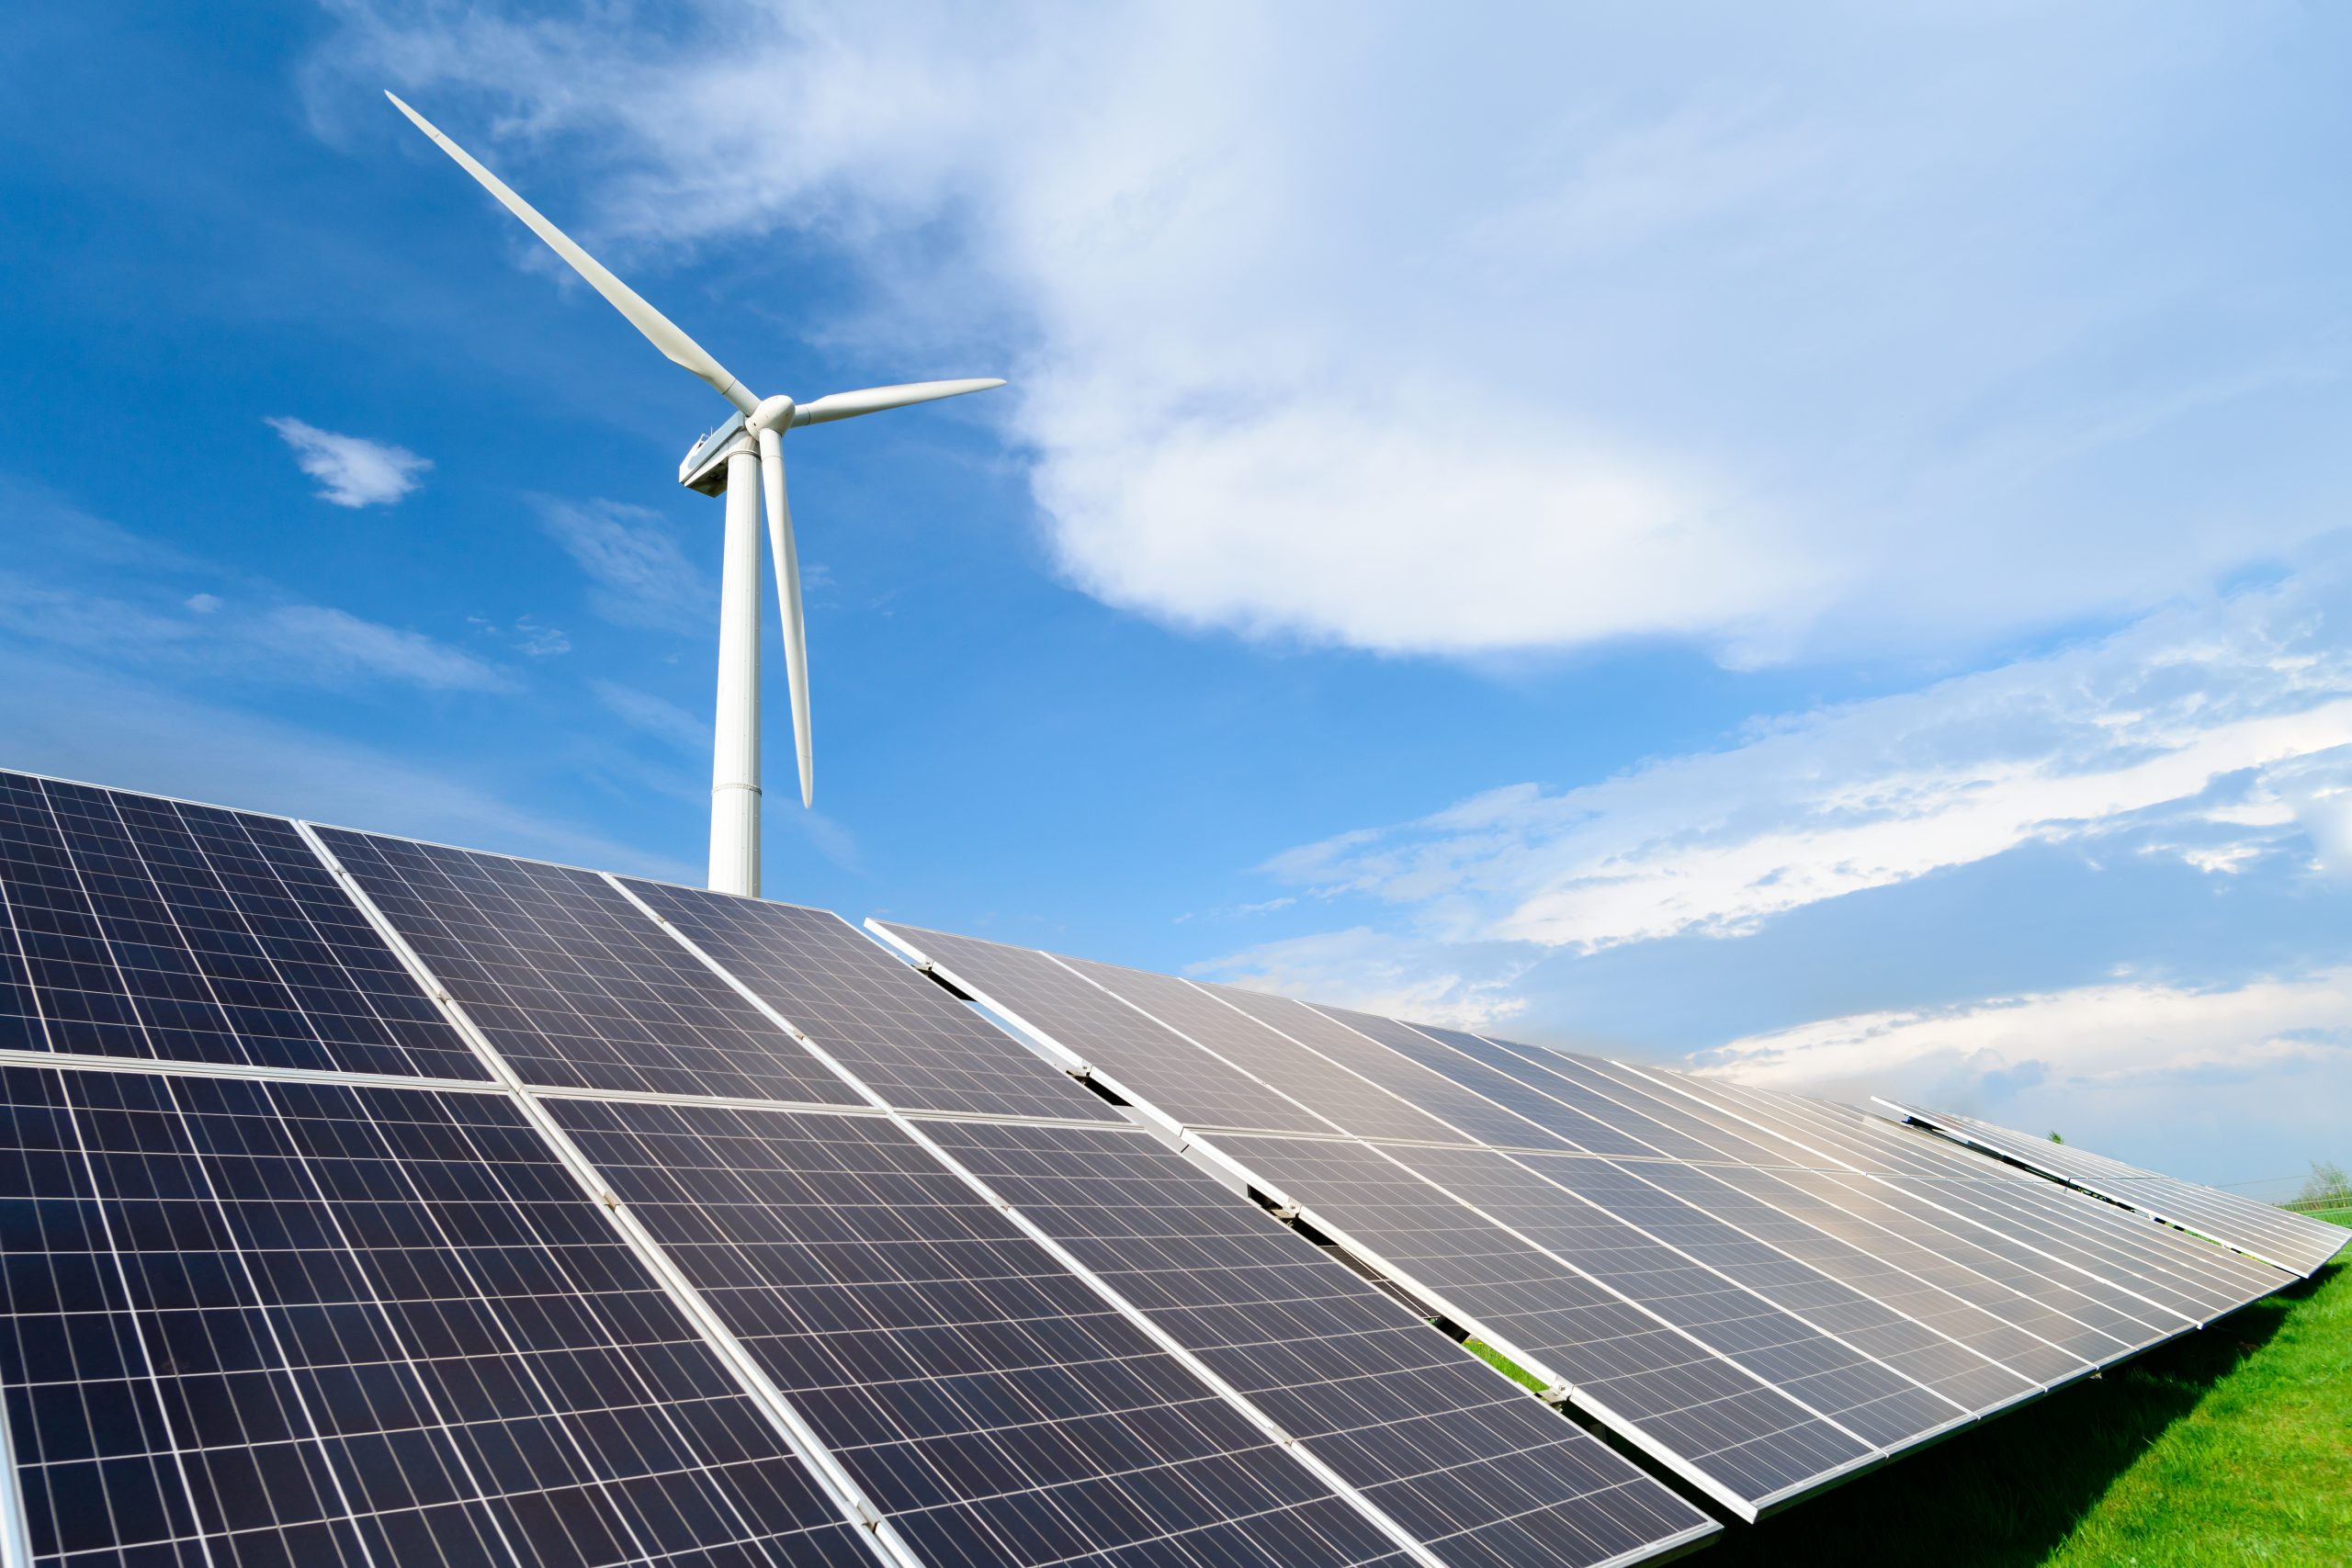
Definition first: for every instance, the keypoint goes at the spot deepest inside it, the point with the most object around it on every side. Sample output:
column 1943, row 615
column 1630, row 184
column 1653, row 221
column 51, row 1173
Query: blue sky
column 1812, row 543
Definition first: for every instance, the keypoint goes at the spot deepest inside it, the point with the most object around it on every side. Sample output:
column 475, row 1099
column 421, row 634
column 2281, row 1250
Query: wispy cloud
column 189, row 746
column 640, row 576
column 351, row 469
column 2225, row 731
column 334, row 645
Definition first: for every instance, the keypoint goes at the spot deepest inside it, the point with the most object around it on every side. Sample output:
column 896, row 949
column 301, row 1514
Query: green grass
column 1504, row 1365
column 2230, row 1446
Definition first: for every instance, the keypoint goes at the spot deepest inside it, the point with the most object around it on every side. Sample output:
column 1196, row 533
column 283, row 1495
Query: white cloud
column 641, row 577
column 2231, row 723
column 204, row 604
column 335, row 643
column 2128, row 1032
column 351, row 469
column 1590, row 340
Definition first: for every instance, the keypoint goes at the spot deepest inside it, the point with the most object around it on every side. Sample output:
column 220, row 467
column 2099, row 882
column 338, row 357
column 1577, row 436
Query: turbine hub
column 774, row 414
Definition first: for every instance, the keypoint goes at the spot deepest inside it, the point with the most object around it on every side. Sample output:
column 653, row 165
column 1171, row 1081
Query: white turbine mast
column 742, row 459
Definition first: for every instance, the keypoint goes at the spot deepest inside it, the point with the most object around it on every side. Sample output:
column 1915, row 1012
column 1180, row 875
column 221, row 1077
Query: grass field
column 2231, row 1446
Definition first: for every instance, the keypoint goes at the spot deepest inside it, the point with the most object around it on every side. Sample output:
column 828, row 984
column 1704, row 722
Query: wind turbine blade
column 788, row 594
column 874, row 399
column 660, row 330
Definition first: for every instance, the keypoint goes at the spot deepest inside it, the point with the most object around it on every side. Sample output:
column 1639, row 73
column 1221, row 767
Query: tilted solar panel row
column 2259, row 1230
column 1766, row 1292
column 609, row 1262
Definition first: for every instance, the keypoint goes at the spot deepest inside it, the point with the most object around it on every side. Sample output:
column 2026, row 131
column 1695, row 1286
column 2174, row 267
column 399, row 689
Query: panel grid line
column 836, row 1482
column 2012, row 1236
column 1380, row 1519
column 1486, row 1212
column 1194, row 1144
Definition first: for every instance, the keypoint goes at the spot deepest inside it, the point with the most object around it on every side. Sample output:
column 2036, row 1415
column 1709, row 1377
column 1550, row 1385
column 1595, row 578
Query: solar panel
column 1724, row 1427
column 136, row 927
column 1460, row 1457
column 1885, row 1288
column 904, row 1037
column 2201, row 1274
column 2259, row 1230
column 993, row 1405
column 1341, row 1096
column 297, row 1324
column 2160, row 1278
column 1153, row 1063
column 570, row 982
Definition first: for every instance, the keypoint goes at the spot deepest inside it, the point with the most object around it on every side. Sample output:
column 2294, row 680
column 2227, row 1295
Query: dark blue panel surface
column 1456, row 1453
column 989, row 1401
column 295, row 1324
column 571, row 983
column 903, row 1036
column 1160, row 1067
column 133, row 926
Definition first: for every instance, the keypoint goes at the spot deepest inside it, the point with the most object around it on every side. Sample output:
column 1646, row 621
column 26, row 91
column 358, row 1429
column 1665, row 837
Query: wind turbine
column 742, row 459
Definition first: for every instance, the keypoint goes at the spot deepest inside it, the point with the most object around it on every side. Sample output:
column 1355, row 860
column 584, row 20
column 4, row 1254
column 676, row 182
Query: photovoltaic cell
column 570, row 982
column 293, row 1324
column 996, row 1407
column 1152, row 1061
column 903, row 1036
column 133, row 926
column 1467, row 1462
column 2150, row 1282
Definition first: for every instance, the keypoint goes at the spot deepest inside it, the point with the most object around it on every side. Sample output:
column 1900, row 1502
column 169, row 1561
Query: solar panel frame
column 1894, row 1375
column 1696, row 1411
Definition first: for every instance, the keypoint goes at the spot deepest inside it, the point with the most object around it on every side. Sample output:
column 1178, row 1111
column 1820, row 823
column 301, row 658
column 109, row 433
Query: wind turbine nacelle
column 705, row 469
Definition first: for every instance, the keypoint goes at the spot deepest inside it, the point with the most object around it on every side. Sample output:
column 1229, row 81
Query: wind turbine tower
column 743, row 460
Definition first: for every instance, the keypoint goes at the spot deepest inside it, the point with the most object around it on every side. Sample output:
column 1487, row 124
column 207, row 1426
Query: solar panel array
column 367, row 1200
column 1764, row 1291
column 2259, row 1230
